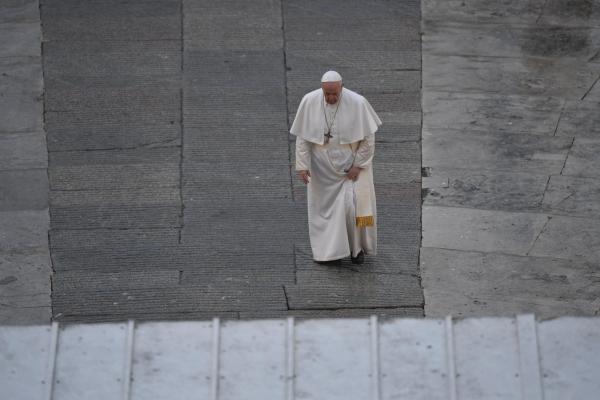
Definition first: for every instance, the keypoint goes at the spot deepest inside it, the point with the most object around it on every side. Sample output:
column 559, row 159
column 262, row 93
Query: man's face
column 332, row 91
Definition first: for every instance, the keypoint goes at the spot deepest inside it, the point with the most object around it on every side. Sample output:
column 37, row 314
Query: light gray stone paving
column 510, row 284
column 23, row 150
column 481, row 230
column 572, row 196
column 24, row 189
column 509, row 219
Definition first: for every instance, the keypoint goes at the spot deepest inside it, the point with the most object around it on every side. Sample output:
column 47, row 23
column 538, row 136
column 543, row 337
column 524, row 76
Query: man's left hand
column 352, row 173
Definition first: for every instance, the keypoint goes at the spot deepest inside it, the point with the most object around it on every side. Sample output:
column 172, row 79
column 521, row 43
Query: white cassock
column 342, row 214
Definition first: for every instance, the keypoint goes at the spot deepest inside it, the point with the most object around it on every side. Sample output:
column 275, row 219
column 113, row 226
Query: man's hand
column 304, row 176
column 352, row 173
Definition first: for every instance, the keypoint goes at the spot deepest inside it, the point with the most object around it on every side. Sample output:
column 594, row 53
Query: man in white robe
column 335, row 142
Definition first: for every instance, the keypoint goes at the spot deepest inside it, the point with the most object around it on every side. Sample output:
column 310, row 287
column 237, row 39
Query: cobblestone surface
column 172, row 193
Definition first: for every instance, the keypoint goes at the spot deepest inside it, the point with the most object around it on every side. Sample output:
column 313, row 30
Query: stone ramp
column 487, row 358
column 171, row 173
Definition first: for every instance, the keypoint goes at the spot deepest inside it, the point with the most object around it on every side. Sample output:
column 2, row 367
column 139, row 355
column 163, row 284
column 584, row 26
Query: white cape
column 355, row 119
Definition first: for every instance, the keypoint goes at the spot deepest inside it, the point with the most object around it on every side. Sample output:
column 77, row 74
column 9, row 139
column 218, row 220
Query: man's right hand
column 304, row 176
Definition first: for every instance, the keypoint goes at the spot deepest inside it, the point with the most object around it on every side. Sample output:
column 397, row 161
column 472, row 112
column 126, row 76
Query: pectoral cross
column 328, row 136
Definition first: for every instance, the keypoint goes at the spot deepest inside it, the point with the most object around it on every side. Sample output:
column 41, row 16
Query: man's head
column 331, row 83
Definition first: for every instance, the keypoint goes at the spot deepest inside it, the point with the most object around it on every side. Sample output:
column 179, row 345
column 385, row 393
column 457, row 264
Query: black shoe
column 330, row 262
column 359, row 259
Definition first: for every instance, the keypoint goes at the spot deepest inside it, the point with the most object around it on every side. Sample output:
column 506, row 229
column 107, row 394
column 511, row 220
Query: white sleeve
column 365, row 152
column 302, row 154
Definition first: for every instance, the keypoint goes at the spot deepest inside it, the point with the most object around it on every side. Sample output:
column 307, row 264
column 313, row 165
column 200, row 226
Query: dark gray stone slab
column 261, row 176
column 335, row 289
column 565, row 77
column 223, row 145
column 176, row 300
column 243, row 67
column 157, row 155
column 117, row 240
column 469, row 284
column 112, row 58
column 404, row 44
column 404, row 10
column 20, row 39
column 114, row 94
column 581, row 119
column 23, row 190
column 111, row 20
column 97, row 170
column 233, row 26
column 21, row 112
column 366, row 60
column 484, row 189
column 500, row 152
column 481, row 230
column 150, row 316
column 570, row 238
column 19, row 11
column 139, row 208
column 21, row 75
column 100, row 177
column 583, row 158
column 22, row 151
column 103, row 130
column 567, row 195
column 389, row 260
column 382, row 313
column 498, row 113
column 373, row 28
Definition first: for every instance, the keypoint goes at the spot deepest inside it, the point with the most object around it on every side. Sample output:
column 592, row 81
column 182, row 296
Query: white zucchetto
column 331, row 76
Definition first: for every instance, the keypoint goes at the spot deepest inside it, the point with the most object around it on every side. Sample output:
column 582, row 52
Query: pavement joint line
column 590, row 89
column 548, row 219
column 287, row 101
column 562, row 110
column 545, row 191
column 500, row 253
column 567, row 156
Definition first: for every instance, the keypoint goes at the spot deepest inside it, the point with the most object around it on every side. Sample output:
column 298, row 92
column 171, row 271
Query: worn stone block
column 487, row 190
column 484, row 11
column 23, row 151
column 583, row 158
column 23, row 190
column 490, row 151
column 578, row 197
column 470, row 284
column 565, row 77
column 20, row 39
column 494, row 40
column 24, row 231
column 481, row 230
column 570, row 238
column 21, row 112
column 21, row 75
column 23, row 274
column 20, row 11
column 580, row 119
column 491, row 112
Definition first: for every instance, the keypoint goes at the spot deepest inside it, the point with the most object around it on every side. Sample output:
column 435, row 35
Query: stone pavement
column 510, row 140
column 25, row 266
column 172, row 193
